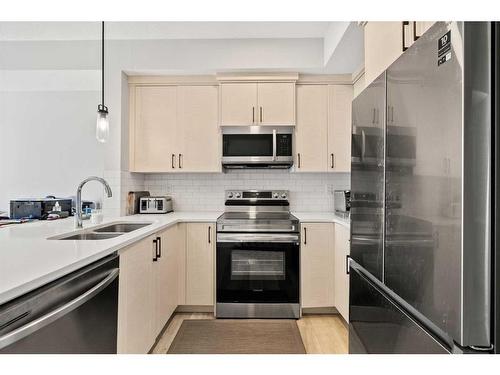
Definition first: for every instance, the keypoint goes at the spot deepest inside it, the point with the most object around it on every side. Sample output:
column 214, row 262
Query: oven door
column 257, row 268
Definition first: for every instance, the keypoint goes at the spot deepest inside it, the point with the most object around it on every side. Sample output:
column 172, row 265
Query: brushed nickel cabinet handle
column 298, row 159
column 180, row 161
column 209, row 234
column 305, row 236
column 261, row 114
column 173, row 161
column 333, row 160
column 253, row 115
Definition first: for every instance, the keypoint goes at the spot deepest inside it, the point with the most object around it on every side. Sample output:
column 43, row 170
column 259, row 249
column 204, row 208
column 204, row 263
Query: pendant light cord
column 102, row 63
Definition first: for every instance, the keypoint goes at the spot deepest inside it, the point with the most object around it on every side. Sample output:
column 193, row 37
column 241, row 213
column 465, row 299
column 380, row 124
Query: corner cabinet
column 257, row 100
column 323, row 131
column 169, row 126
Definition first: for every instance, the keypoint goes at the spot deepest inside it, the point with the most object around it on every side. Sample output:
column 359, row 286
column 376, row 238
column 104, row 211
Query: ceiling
column 14, row 31
column 342, row 42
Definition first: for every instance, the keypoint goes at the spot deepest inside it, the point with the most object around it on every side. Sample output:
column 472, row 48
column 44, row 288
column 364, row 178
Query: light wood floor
column 321, row 334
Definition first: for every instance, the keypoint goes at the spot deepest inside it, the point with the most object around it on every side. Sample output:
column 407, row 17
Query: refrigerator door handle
column 363, row 144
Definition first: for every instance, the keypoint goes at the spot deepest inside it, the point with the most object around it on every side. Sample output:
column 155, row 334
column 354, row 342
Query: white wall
column 47, row 134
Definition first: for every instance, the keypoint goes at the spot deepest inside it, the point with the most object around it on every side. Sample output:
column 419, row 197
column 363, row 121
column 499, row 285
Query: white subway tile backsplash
column 205, row 191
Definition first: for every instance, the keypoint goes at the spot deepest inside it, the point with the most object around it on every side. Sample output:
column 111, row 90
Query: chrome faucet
column 78, row 214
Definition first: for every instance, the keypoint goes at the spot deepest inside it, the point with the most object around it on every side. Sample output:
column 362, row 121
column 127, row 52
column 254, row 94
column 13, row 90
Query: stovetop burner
column 257, row 211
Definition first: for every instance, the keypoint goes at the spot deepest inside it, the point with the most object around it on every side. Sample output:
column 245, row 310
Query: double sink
column 105, row 232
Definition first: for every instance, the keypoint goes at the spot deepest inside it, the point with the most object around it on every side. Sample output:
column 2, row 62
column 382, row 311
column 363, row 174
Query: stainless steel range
column 258, row 257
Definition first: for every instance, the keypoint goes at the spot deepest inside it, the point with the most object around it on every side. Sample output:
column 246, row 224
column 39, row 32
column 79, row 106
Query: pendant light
column 102, row 125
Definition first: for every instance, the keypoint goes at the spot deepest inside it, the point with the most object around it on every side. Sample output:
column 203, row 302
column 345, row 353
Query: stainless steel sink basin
column 91, row 236
column 121, row 227
column 105, row 232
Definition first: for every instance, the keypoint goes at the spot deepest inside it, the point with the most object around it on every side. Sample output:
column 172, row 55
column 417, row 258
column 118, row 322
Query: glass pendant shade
column 102, row 125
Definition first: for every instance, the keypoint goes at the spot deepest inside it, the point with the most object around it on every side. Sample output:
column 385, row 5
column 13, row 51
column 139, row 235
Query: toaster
column 342, row 202
column 155, row 205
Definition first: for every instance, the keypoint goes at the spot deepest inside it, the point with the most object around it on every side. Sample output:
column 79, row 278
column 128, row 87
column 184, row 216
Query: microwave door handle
column 274, row 144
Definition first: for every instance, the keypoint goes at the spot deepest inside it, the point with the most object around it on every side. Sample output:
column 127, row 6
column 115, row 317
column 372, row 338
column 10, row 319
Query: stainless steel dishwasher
column 76, row 313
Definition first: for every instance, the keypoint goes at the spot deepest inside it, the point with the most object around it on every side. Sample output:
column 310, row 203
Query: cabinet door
column 238, row 104
column 422, row 26
column 199, row 132
column 160, row 276
column 166, row 269
column 339, row 128
column 276, row 103
column 135, row 301
column 153, row 128
column 317, row 265
column 383, row 45
column 199, row 264
column 311, row 129
column 341, row 277
column 181, row 263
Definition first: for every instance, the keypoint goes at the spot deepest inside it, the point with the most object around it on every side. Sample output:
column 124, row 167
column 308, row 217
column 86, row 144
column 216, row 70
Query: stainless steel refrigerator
column 423, row 188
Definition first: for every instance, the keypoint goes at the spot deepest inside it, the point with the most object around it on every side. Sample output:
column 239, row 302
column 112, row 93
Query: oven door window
column 257, row 265
column 257, row 272
column 235, row 145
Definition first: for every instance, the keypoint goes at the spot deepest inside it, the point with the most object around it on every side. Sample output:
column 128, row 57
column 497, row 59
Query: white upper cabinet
column 174, row 128
column 257, row 100
column 153, row 128
column 238, row 104
column 339, row 127
column 199, row 141
column 276, row 103
column 311, row 132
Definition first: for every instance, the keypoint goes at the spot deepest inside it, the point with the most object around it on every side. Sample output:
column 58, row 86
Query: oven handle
column 254, row 237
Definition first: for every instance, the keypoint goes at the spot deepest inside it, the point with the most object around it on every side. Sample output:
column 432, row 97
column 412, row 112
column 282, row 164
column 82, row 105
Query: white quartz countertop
column 29, row 259
column 321, row 217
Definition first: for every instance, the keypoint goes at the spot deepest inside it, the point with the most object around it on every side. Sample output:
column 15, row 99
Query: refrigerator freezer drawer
column 378, row 326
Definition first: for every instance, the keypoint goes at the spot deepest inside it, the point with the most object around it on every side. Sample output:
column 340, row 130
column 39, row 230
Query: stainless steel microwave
column 257, row 147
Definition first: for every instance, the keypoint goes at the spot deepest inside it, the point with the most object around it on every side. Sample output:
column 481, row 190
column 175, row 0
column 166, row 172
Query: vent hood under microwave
column 257, row 147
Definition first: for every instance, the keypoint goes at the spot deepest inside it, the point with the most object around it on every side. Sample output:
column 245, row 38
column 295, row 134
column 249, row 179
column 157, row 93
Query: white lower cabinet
column 342, row 250
column 317, row 265
column 324, row 281
column 148, row 289
column 136, row 303
column 200, row 246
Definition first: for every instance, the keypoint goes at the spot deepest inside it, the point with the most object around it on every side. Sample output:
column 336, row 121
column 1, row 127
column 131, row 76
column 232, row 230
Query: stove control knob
column 237, row 195
column 230, row 194
column 275, row 195
column 283, row 195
